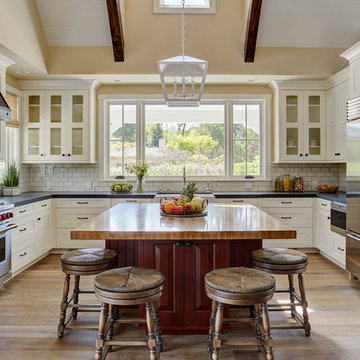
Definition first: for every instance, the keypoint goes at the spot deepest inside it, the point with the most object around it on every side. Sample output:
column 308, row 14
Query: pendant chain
column 183, row 27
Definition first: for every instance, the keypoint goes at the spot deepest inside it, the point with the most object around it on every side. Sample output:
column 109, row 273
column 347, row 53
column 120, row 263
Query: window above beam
column 191, row 6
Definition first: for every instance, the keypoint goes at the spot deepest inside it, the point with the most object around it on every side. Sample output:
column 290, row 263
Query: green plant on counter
column 140, row 170
column 12, row 176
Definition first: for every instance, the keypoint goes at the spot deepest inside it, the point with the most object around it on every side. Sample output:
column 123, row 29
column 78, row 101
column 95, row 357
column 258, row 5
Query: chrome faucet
column 184, row 175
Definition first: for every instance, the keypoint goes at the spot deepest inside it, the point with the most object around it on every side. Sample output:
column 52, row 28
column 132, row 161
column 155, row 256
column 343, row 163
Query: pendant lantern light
column 183, row 73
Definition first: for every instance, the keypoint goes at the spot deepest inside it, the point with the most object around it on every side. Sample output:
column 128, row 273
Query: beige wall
column 21, row 31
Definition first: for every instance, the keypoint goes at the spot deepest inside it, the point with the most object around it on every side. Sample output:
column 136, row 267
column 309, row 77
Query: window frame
column 158, row 8
column 228, row 100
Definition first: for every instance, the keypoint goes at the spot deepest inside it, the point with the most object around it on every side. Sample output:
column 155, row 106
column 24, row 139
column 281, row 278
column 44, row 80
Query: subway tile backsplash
column 74, row 177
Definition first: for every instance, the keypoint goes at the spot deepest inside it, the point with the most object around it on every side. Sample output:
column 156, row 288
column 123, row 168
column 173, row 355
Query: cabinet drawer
column 129, row 200
column 72, row 218
column 23, row 211
column 295, row 218
column 286, row 203
column 83, row 203
column 63, row 241
column 340, row 248
column 23, row 255
column 24, row 228
column 304, row 239
column 324, row 204
column 252, row 201
column 42, row 205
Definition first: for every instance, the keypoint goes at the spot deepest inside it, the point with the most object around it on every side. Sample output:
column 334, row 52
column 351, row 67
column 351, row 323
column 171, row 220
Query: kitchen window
column 191, row 6
column 220, row 139
column 188, row 136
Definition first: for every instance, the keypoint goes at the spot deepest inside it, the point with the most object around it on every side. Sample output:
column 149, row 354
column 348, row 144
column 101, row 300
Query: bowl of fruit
column 121, row 187
column 188, row 204
column 332, row 189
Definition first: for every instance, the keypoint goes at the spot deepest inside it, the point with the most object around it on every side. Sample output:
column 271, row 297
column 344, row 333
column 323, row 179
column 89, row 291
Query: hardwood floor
column 29, row 310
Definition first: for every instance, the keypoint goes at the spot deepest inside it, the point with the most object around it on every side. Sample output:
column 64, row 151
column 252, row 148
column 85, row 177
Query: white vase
column 11, row 191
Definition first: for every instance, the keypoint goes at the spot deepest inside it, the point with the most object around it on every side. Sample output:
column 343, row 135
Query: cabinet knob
column 41, row 154
column 69, row 154
column 301, row 154
column 328, row 217
column 189, row 243
column 63, row 154
column 306, row 154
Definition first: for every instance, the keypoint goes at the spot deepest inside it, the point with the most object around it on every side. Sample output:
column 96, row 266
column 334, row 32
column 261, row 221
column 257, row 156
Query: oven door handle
column 353, row 237
column 8, row 228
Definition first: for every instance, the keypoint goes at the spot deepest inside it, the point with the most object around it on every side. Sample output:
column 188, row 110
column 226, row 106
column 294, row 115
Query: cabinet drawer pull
column 43, row 205
column 83, row 218
column 322, row 204
column 83, row 202
column 189, row 243
column 180, row 243
column 23, row 254
column 131, row 201
column 238, row 201
column 22, row 230
column 286, row 217
column 286, row 202
column 339, row 248
column 22, row 211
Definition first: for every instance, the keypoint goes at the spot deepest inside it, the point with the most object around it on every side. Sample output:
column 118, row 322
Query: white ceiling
column 75, row 22
column 309, row 23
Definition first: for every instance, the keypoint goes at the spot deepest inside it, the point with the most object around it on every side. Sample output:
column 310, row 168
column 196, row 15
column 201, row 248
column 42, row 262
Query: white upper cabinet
column 353, row 55
column 59, row 125
column 336, row 98
column 300, row 126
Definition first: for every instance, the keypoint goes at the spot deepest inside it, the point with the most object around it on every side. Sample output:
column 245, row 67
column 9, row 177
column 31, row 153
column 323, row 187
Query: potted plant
column 140, row 170
column 11, row 181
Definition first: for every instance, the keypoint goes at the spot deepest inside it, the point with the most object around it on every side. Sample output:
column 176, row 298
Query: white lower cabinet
column 239, row 201
column 331, row 244
column 129, row 201
column 71, row 213
column 33, row 236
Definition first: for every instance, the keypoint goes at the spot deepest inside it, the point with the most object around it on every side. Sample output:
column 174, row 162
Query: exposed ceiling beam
column 252, row 29
column 116, row 28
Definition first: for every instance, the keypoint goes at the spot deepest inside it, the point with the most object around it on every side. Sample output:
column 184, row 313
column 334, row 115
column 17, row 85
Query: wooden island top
column 144, row 222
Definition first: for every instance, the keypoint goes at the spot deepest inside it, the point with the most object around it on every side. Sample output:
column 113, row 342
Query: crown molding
column 353, row 53
column 58, row 84
column 5, row 61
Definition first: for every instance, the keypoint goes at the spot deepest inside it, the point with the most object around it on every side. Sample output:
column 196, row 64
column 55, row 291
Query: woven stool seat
column 83, row 257
column 279, row 256
column 240, row 280
column 129, row 280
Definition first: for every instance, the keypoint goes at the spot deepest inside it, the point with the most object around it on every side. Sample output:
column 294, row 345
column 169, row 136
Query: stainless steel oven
column 338, row 218
column 5, row 241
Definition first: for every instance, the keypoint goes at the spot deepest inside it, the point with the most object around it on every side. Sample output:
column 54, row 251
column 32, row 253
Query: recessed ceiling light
column 22, row 72
column 252, row 80
column 117, row 80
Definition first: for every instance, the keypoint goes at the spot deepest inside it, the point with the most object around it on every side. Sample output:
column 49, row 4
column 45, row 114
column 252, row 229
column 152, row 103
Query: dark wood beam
column 117, row 34
column 252, row 29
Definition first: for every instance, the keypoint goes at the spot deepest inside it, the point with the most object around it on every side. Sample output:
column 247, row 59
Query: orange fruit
column 169, row 207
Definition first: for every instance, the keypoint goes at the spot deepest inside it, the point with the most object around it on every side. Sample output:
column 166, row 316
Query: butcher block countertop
column 144, row 222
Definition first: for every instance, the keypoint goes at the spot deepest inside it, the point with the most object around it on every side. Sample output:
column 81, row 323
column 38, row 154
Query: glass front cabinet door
column 314, row 125
column 55, row 125
column 34, row 126
column 77, row 129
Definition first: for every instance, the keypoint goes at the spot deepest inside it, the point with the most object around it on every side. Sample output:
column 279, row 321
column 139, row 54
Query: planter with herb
column 11, row 181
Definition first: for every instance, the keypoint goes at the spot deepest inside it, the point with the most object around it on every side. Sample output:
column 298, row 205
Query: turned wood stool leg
column 111, row 322
column 268, row 340
column 291, row 292
column 63, row 306
column 304, row 305
column 217, row 335
column 151, row 335
column 257, row 315
column 76, row 295
column 101, row 338
column 158, row 337
column 214, row 305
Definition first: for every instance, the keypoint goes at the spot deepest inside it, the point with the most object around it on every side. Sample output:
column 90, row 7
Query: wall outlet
column 315, row 183
column 248, row 185
column 88, row 185
column 50, row 169
column 48, row 185
column 42, row 169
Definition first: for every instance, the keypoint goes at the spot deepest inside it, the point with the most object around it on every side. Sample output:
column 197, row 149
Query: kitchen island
column 184, row 250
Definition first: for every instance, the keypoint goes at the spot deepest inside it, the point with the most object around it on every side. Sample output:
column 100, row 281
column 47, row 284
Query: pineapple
column 189, row 190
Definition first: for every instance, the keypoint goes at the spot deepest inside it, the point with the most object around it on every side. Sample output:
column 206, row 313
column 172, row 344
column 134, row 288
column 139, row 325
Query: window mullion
column 229, row 139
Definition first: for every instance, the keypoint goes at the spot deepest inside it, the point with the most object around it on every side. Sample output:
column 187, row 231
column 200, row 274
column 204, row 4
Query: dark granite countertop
column 30, row 197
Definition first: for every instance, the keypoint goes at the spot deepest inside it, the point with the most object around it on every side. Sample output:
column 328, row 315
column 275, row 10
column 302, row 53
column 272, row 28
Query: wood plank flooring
column 29, row 310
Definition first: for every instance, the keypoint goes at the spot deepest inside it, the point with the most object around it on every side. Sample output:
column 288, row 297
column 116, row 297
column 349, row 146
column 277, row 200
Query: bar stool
column 286, row 262
column 78, row 263
column 124, row 287
column 240, row 286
